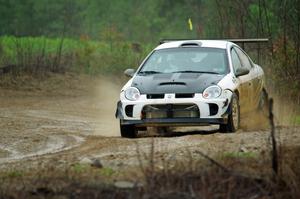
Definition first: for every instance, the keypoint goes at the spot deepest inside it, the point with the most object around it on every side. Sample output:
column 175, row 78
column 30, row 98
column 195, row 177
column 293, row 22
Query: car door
column 258, row 84
column 251, row 77
column 245, row 81
column 256, row 75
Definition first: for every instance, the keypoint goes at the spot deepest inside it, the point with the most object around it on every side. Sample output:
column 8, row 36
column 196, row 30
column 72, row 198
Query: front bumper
column 205, row 116
column 175, row 122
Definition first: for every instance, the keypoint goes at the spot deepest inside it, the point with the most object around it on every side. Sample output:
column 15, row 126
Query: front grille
column 155, row 96
column 170, row 111
column 184, row 95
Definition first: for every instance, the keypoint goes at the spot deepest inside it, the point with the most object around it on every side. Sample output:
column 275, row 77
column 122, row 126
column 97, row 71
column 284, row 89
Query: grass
column 37, row 55
column 14, row 174
column 107, row 172
column 85, row 168
column 79, row 168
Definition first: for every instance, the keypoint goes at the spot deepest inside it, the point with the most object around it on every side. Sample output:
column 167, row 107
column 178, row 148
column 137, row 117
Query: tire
column 233, row 123
column 128, row 131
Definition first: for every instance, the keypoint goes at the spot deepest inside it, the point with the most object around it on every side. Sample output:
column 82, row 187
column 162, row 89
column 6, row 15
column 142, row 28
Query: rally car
column 191, row 82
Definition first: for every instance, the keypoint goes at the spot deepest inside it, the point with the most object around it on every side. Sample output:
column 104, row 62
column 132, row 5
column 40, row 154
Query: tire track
column 54, row 144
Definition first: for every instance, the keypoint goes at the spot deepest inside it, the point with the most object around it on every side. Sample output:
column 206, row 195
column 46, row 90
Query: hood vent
column 172, row 83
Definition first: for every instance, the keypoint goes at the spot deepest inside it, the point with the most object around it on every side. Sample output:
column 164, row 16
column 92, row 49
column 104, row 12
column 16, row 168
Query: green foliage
column 38, row 55
column 141, row 21
column 148, row 20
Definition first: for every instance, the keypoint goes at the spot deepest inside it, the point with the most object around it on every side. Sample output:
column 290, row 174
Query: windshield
column 186, row 60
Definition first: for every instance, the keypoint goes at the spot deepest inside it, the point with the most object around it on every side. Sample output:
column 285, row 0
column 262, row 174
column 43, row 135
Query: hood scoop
column 172, row 83
column 191, row 44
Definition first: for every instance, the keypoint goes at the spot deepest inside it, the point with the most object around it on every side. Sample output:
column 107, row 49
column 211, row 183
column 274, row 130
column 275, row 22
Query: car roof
column 222, row 44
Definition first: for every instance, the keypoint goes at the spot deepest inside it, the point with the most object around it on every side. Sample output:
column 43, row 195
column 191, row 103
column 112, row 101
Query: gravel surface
column 77, row 123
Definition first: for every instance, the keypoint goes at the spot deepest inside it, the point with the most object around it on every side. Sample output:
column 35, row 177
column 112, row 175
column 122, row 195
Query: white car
column 191, row 82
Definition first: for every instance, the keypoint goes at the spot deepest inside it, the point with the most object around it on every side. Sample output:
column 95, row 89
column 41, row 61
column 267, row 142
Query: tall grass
column 39, row 55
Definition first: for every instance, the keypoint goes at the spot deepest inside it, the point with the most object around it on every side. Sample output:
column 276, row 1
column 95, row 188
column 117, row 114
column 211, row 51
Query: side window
column 235, row 60
column 244, row 59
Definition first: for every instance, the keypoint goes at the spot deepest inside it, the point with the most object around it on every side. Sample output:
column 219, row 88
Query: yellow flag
column 190, row 24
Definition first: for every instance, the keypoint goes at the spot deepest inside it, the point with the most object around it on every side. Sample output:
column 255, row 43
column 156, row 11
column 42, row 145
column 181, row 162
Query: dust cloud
column 284, row 111
column 107, row 91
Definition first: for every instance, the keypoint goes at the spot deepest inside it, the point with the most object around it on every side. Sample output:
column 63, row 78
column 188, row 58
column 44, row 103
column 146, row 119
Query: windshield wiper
column 195, row 71
column 149, row 72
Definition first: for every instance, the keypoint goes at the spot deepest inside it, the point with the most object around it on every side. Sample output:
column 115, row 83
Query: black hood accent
column 175, row 82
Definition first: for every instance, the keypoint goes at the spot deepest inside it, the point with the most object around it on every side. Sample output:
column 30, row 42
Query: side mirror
column 129, row 72
column 241, row 71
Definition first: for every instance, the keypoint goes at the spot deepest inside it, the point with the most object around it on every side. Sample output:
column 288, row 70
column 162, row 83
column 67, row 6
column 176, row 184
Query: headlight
column 132, row 93
column 212, row 92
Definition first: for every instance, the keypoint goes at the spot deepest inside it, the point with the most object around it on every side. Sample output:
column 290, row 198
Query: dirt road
column 74, row 121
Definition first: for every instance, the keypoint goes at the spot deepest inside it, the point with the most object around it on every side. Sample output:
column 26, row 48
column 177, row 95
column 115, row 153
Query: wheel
column 234, row 116
column 128, row 130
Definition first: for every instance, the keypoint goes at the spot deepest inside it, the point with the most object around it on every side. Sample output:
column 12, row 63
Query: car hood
column 175, row 82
